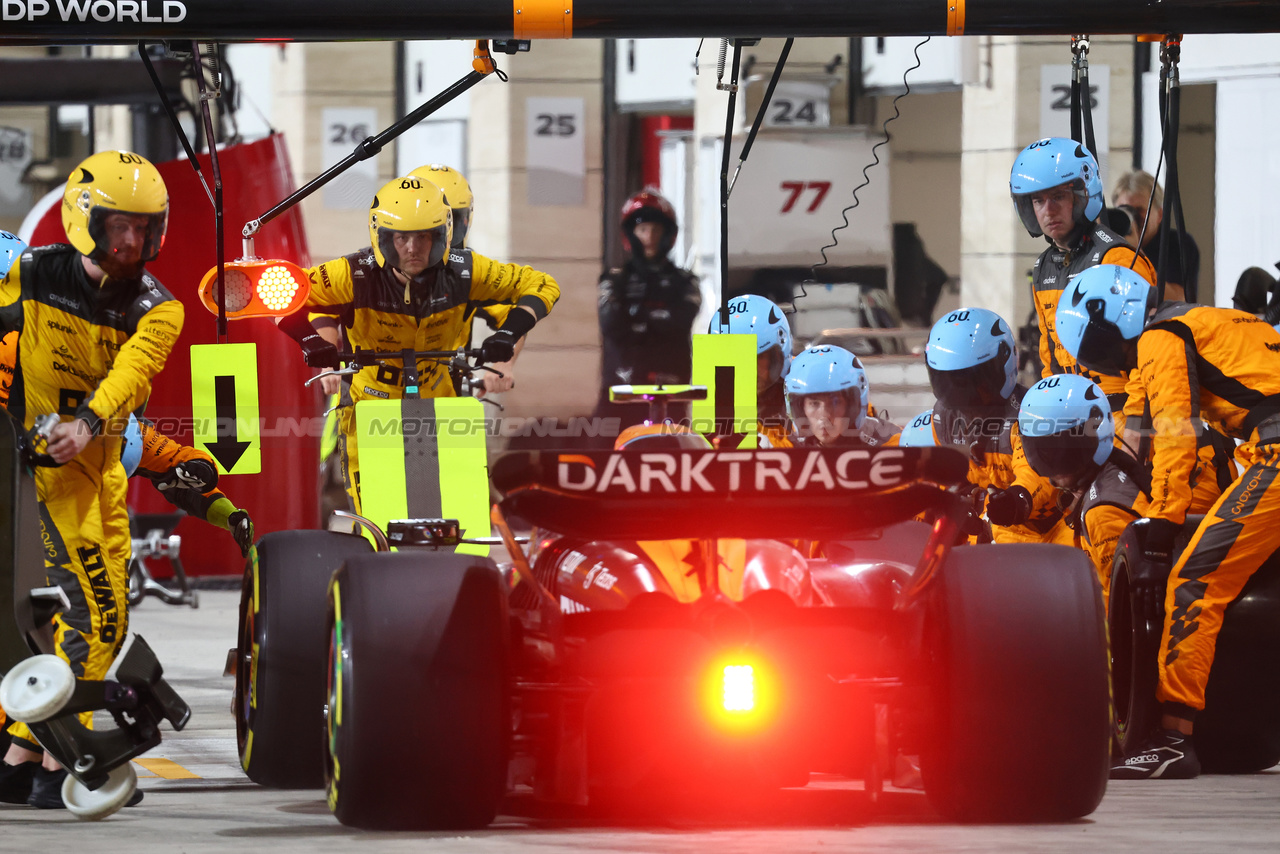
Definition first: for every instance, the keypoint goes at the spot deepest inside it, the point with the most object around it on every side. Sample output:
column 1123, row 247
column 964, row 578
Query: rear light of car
column 258, row 288
column 741, row 693
column 739, row 696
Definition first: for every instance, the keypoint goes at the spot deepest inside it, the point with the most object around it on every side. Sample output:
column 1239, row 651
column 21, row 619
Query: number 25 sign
column 795, row 189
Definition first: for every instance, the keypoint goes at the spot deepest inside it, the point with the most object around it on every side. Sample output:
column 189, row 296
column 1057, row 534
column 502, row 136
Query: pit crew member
column 751, row 314
column 1188, row 362
column 1069, row 436
column 94, row 329
column 973, row 369
column 11, row 249
column 647, row 306
column 457, row 191
column 410, row 290
column 1057, row 190
column 827, row 401
column 919, row 432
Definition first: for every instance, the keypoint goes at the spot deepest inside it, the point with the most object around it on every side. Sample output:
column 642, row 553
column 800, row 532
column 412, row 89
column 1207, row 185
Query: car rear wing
column 793, row 493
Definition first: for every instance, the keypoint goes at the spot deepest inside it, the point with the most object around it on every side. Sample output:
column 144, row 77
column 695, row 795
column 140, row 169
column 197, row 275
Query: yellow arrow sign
column 224, row 405
column 726, row 365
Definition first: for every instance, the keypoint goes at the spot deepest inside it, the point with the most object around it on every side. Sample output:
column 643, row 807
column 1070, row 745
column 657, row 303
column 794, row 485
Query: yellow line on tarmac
column 166, row 768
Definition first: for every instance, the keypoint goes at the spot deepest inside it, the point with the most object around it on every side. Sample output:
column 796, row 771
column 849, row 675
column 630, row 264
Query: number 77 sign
column 794, row 189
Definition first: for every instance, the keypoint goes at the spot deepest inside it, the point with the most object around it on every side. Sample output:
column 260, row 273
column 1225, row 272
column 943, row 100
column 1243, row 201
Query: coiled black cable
column 866, row 179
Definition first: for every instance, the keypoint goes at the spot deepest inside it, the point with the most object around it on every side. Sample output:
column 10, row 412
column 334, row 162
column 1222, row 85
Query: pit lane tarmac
column 198, row 800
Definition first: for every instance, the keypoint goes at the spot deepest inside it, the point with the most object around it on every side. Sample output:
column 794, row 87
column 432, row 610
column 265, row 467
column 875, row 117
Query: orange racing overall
column 1223, row 366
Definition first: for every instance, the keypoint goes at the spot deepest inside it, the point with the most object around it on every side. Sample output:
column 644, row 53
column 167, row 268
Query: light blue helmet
column 131, row 446
column 755, row 315
column 1100, row 315
column 826, row 370
column 919, row 433
column 972, row 359
column 11, row 247
column 1050, row 163
column 1066, row 426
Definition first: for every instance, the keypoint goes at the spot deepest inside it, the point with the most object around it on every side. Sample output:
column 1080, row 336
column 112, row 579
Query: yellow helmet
column 409, row 204
column 457, row 191
column 109, row 182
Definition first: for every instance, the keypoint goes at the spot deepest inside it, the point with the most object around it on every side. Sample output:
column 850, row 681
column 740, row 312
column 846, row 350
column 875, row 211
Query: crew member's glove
column 1159, row 541
column 498, row 347
column 318, row 352
column 501, row 345
column 971, row 522
column 241, row 527
column 197, row 474
column 1150, row 576
column 1010, row 506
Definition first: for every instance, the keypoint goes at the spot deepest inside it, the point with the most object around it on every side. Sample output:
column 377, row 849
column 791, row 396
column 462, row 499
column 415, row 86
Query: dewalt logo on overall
column 96, row 571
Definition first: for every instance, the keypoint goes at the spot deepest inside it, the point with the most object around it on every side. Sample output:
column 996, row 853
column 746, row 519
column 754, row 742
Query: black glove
column 969, row 519
column 241, row 527
column 1149, row 577
column 318, row 352
column 498, row 347
column 1010, row 506
column 1158, row 545
column 199, row 475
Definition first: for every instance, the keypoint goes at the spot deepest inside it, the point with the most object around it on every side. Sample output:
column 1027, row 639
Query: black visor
column 971, row 388
column 1103, row 348
column 461, row 224
column 1066, row 454
column 156, row 225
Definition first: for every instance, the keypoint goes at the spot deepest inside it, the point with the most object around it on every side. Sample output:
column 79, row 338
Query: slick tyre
column 1135, row 647
column 1239, row 730
column 1017, row 663
column 419, row 715
column 281, row 655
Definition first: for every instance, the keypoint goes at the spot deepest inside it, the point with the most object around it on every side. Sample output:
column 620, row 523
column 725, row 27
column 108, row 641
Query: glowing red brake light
column 739, row 688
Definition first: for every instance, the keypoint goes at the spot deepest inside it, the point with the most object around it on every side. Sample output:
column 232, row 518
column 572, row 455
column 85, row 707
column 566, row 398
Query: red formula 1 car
column 667, row 628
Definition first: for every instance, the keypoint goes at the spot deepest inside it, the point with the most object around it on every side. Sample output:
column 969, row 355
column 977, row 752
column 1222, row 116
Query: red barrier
column 286, row 495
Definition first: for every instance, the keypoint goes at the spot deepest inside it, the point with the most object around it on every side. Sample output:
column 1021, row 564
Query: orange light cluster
column 257, row 288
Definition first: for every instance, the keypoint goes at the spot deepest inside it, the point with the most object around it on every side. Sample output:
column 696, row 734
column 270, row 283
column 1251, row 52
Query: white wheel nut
column 37, row 688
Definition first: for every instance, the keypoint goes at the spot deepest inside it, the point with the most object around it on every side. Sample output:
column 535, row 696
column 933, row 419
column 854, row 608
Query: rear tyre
column 1239, row 730
column 1018, row 665
column 281, row 655
column 419, row 691
column 1135, row 650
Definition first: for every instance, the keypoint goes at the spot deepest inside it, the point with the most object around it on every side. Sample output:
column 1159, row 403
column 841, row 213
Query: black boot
column 15, row 781
column 1168, row 755
column 46, row 789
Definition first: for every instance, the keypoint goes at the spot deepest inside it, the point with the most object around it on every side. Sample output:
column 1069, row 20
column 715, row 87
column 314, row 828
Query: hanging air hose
column 1173, row 219
column 1082, row 95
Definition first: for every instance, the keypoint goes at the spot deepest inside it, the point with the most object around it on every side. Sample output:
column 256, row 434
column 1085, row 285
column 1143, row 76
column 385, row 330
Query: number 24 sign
column 794, row 190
